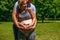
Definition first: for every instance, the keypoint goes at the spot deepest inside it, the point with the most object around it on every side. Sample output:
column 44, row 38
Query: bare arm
column 15, row 19
column 34, row 21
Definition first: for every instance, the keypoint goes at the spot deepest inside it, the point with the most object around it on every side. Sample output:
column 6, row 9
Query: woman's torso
column 24, row 16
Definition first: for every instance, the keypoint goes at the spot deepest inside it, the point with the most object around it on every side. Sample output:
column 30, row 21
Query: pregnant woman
column 24, row 18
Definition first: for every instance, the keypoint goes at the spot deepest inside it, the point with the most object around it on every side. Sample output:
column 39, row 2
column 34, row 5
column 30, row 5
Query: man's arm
column 14, row 13
column 15, row 16
column 32, row 13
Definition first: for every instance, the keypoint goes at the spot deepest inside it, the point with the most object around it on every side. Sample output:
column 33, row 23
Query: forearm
column 14, row 18
column 33, row 16
column 33, row 21
column 34, row 25
column 31, row 28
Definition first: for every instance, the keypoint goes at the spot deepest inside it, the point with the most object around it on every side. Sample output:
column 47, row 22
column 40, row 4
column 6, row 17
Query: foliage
column 44, row 31
column 48, row 8
column 6, row 7
column 45, row 9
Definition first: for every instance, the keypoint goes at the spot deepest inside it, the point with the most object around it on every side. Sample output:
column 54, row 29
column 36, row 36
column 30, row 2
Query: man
column 16, row 27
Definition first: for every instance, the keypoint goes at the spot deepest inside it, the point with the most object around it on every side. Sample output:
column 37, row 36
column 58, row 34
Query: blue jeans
column 20, row 36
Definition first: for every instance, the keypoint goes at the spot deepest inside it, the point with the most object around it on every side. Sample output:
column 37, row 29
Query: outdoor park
column 48, row 19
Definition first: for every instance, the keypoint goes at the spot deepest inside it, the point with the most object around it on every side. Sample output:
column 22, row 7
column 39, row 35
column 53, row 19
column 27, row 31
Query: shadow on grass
column 44, row 22
column 0, row 23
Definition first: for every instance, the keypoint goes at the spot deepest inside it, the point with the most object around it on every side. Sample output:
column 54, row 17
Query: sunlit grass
column 44, row 31
column 48, row 31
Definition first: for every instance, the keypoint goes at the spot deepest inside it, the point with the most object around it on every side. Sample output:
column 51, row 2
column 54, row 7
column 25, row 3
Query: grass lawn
column 44, row 31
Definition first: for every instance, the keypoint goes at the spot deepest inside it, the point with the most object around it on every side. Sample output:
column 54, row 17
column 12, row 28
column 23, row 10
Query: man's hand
column 30, row 26
column 32, row 13
column 21, row 26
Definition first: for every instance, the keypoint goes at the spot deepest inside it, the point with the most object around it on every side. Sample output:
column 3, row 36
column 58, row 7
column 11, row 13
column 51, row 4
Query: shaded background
column 46, row 9
column 48, row 12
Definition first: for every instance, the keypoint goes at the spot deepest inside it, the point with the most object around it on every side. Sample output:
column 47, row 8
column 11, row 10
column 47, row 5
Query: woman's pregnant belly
column 26, row 22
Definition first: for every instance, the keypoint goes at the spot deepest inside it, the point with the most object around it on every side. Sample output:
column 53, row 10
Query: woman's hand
column 28, row 29
column 21, row 26
column 23, row 29
column 30, row 26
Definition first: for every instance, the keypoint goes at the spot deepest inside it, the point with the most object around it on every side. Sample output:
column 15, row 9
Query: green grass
column 44, row 31
column 48, row 31
column 6, row 32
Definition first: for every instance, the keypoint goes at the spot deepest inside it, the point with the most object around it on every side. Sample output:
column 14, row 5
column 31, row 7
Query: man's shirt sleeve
column 33, row 8
column 15, row 6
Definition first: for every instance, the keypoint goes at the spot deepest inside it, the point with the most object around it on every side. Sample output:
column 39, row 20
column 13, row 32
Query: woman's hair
column 20, row 2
